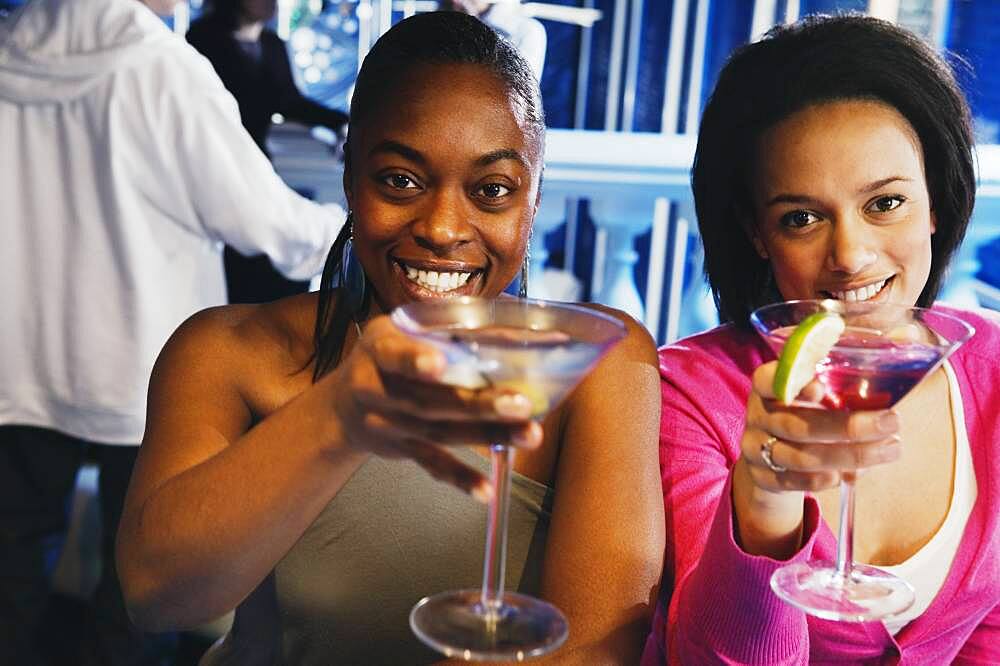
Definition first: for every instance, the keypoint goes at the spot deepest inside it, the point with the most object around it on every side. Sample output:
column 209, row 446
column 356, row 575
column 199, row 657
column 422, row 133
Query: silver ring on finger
column 765, row 455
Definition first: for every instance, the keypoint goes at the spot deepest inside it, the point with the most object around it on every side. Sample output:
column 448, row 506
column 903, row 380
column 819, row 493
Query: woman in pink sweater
column 834, row 161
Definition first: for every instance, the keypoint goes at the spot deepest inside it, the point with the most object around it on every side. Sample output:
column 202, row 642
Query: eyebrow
column 502, row 154
column 399, row 149
column 866, row 189
column 413, row 155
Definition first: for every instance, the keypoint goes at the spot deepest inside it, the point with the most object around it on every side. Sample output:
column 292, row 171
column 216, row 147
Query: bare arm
column 604, row 556
column 215, row 503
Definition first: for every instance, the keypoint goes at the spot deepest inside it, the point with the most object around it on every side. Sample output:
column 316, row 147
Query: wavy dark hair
column 823, row 59
column 435, row 38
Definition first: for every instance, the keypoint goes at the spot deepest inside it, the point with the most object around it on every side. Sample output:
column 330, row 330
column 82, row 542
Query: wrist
column 765, row 522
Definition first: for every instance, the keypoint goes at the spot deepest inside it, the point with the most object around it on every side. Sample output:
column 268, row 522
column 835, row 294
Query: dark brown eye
column 798, row 219
column 400, row 182
column 885, row 204
column 494, row 190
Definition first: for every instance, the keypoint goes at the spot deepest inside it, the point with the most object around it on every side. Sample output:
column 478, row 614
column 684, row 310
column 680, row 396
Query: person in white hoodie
column 124, row 168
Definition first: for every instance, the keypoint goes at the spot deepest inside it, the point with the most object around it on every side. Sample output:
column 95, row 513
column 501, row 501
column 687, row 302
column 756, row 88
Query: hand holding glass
column 883, row 353
column 541, row 350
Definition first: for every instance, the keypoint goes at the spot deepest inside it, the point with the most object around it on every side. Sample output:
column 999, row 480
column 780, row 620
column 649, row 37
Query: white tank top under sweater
column 927, row 568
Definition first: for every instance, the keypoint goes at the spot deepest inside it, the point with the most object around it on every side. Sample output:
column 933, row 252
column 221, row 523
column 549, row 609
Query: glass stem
column 496, row 529
column 845, row 538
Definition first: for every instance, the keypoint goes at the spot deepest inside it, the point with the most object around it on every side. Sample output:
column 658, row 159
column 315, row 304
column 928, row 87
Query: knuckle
column 820, row 481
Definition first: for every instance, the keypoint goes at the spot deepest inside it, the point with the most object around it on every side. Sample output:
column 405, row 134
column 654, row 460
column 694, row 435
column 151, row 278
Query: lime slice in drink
column 535, row 395
column 808, row 344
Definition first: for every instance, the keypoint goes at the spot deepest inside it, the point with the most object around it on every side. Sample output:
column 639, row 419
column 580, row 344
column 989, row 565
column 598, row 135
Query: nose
column 445, row 222
column 851, row 247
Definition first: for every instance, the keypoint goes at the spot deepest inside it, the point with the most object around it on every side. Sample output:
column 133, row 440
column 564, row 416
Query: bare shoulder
column 637, row 345
column 628, row 369
column 243, row 342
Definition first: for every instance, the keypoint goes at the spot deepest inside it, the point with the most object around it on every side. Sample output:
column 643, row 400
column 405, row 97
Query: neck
column 249, row 32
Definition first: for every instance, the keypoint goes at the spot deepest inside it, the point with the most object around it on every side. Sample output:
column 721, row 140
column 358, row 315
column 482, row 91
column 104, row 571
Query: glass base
column 818, row 589
column 457, row 625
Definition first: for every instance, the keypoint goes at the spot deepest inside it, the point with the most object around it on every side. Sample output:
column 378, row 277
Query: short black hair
column 443, row 38
column 433, row 38
column 823, row 59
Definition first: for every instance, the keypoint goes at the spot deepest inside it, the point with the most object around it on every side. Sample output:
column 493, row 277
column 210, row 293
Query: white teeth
column 861, row 293
column 437, row 281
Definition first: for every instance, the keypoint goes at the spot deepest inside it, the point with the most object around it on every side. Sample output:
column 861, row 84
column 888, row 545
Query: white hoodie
column 123, row 169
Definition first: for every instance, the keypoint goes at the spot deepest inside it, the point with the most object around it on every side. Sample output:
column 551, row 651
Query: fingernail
column 528, row 437
column 514, row 406
column 888, row 422
column 483, row 492
column 427, row 364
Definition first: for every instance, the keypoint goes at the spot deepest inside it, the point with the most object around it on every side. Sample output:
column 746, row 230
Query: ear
column 758, row 244
column 933, row 221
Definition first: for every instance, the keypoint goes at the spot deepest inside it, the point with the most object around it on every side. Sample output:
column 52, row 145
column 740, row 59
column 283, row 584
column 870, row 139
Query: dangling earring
column 352, row 274
column 522, row 288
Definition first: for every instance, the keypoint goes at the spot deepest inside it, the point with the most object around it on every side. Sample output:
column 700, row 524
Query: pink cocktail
column 884, row 352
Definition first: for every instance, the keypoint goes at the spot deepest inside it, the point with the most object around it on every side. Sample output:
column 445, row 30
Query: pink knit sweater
column 716, row 605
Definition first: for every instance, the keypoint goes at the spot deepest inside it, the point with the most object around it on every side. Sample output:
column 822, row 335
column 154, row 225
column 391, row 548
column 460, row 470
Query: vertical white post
column 675, row 68
column 385, row 17
column 632, row 66
column 884, row 9
column 792, row 11
column 693, row 114
column 763, row 18
column 364, row 14
column 940, row 10
column 615, row 66
column 678, row 262
column 657, row 262
column 583, row 73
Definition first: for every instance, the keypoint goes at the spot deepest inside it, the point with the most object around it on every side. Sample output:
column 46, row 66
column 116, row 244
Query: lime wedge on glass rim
column 808, row 344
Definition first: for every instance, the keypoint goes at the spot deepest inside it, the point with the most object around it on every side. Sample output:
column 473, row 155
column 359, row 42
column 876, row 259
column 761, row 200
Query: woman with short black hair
column 834, row 161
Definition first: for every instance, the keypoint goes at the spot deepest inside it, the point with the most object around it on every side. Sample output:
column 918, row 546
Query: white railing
column 635, row 183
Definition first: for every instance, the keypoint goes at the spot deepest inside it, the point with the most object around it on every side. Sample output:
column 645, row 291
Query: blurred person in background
column 252, row 62
column 125, row 168
column 508, row 18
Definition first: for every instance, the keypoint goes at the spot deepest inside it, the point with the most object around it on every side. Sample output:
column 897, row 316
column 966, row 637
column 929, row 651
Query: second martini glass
column 884, row 352
column 541, row 350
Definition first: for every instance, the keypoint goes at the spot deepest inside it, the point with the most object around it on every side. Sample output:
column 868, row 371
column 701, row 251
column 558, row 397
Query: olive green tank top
column 391, row 536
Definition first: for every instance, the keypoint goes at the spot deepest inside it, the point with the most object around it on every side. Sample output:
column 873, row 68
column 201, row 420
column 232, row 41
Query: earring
column 352, row 274
column 522, row 288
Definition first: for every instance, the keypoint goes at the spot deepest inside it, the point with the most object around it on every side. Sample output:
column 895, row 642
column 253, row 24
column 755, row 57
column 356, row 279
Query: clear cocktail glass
column 883, row 353
column 542, row 350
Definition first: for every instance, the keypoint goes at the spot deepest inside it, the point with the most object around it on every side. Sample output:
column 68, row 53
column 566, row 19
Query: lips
column 862, row 293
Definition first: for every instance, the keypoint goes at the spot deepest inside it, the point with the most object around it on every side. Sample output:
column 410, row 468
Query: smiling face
column 841, row 206
column 443, row 183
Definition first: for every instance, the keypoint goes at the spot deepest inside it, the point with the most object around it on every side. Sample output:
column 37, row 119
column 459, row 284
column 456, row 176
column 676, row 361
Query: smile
column 436, row 281
column 859, row 294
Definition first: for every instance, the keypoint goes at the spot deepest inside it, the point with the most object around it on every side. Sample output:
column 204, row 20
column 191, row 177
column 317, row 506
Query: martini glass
column 541, row 350
column 884, row 352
